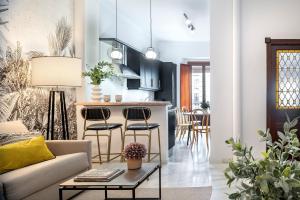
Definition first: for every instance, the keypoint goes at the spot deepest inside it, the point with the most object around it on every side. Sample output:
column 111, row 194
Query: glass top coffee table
column 129, row 180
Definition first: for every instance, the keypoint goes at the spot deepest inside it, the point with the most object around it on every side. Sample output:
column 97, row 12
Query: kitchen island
column 159, row 114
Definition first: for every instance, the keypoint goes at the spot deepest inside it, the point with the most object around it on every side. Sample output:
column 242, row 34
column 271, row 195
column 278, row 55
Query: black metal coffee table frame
column 107, row 188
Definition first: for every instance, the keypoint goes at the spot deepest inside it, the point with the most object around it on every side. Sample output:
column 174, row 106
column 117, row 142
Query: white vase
column 96, row 93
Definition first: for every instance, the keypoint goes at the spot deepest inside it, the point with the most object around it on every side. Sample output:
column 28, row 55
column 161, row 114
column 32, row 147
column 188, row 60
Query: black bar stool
column 100, row 114
column 141, row 114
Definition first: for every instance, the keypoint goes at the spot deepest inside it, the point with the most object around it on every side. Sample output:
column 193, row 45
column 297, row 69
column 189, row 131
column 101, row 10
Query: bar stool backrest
column 95, row 114
column 137, row 113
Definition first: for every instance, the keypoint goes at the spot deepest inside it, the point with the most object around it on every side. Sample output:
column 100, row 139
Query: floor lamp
column 56, row 72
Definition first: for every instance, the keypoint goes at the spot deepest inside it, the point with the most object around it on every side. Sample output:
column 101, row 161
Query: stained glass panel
column 288, row 79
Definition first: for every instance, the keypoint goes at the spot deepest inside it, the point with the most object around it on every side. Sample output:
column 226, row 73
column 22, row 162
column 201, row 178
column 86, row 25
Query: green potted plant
column 274, row 176
column 101, row 71
column 205, row 105
column 134, row 153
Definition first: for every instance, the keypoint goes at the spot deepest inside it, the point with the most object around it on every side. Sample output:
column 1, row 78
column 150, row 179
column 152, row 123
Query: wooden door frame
column 190, row 84
column 270, row 43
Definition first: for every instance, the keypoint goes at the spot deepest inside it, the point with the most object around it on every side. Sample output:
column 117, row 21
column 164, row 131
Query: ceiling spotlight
column 188, row 22
column 192, row 29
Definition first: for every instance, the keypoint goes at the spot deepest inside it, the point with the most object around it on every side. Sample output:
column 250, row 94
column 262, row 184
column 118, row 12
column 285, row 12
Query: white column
column 223, row 91
column 237, row 116
column 79, row 41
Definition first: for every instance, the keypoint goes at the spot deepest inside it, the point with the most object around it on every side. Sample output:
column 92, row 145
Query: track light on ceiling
column 187, row 20
column 189, row 23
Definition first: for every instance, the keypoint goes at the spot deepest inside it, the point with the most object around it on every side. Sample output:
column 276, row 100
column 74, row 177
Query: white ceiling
column 168, row 20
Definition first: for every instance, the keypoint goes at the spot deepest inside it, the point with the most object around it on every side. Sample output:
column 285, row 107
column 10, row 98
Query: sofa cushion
column 24, row 153
column 22, row 182
column 13, row 127
column 8, row 138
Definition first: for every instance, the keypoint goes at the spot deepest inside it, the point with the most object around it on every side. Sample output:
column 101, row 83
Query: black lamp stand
column 64, row 117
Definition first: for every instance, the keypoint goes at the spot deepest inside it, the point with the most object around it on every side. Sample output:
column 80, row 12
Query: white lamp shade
column 116, row 53
column 151, row 54
column 56, row 71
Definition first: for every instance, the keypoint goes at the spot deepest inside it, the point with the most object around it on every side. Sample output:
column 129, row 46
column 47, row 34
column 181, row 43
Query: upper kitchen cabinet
column 148, row 70
column 141, row 73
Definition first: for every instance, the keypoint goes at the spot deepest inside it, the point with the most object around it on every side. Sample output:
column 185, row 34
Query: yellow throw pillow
column 20, row 154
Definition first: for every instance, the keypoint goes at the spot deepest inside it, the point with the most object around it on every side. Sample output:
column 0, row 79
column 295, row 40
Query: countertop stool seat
column 141, row 115
column 100, row 115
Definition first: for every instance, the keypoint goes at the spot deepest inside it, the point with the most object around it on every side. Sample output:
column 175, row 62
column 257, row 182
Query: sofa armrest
column 62, row 147
column 1, row 191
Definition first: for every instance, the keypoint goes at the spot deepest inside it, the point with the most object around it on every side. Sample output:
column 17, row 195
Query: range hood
column 126, row 71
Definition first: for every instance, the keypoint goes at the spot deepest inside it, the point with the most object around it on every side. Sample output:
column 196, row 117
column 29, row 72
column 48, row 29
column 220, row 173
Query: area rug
column 188, row 193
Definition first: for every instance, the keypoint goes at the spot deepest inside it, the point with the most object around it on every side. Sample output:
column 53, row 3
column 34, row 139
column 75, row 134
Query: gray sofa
column 40, row 181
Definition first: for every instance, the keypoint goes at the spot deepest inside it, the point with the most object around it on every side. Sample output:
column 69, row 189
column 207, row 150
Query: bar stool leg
column 134, row 136
column 159, row 147
column 83, row 135
column 98, row 142
column 109, row 146
column 207, row 142
column 122, row 144
column 149, row 146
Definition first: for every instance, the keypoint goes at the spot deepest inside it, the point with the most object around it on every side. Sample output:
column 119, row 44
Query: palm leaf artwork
column 4, row 110
column 61, row 38
column 3, row 10
column 18, row 100
column 34, row 54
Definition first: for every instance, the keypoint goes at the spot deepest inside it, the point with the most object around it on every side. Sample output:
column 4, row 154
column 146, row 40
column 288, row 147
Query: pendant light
column 150, row 53
column 116, row 52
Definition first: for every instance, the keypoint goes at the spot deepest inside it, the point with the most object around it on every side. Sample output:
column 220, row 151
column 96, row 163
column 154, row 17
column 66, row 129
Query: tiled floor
column 190, row 168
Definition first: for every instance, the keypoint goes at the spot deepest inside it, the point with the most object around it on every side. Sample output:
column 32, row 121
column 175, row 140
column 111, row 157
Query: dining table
column 199, row 117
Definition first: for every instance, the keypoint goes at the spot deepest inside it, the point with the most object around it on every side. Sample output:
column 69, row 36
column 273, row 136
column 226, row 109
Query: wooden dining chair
column 182, row 123
column 200, row 125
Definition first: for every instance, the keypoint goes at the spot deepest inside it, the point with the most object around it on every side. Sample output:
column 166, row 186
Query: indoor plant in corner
column 98, row 74
column 275, row 176
column 205, row 105
column 134, row 153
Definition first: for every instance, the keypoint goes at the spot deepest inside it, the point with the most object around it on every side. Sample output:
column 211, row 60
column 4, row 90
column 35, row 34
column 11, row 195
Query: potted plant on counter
column 98, row 74
column 274, row 176
column 134, row 153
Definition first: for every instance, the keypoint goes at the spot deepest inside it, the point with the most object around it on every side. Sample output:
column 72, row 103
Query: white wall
column 259, row 19
column 222, row 62
column 238, row 60
column 176, row 52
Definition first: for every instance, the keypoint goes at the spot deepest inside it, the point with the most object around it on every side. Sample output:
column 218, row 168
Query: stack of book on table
column 98, row 175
